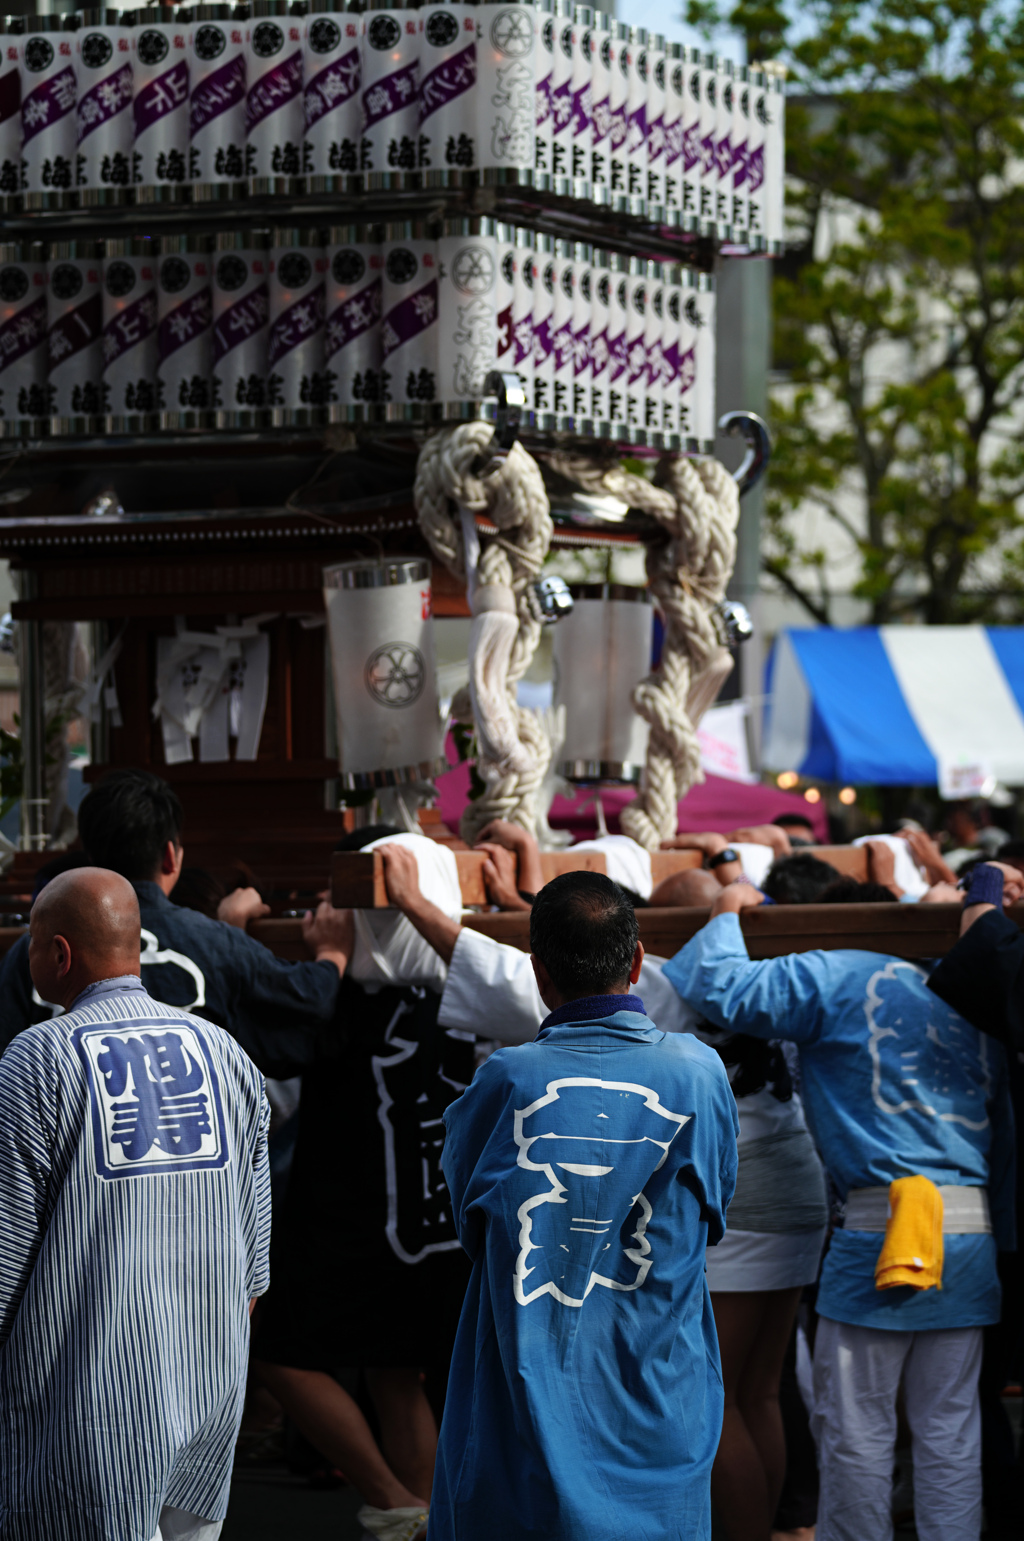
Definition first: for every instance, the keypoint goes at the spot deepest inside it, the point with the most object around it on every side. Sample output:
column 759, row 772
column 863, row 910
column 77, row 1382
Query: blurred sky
column 665, row 16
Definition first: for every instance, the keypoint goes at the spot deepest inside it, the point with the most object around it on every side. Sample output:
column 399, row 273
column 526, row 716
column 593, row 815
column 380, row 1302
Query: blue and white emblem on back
column 155, row 1098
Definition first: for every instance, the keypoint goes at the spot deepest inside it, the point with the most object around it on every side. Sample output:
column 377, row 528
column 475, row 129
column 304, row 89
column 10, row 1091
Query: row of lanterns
column 275, row 97
column 380, row 630
column 353, row 324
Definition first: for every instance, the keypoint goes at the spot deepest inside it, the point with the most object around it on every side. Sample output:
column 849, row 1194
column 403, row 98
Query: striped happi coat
column 134, row 1229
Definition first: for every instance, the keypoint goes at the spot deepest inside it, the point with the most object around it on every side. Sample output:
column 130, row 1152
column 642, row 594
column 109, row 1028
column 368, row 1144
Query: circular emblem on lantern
column 548, row 35
column 512, row 32
column 294, row 270
column 119, row 280
column 659, row 74
column 441, row 29
column 508, row 268
column 232, row 271
column 13, row 284
column 267, row 39
column 473, row 270
column 641, row 65
column 65, row 281
column 383, row 32
column 677, row 80
column 209, row 42
column 323, row 35
column 565, row 41
column 568, row 283
column 348, row 266
column 395, row 674
column 624, row 62
column 401, row 265
column 585, row 284
column 97, row 50
column 604, row 289
column 606, row 52
column 695, row 85
column 548, row 277
column 152, row 46
column 38, row 54
column 693, row 314
column 640, row 299
column 174, row 275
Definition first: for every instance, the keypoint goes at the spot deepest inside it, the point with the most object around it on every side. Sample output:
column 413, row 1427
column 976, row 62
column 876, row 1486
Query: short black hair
column 798, row 879
column 356, row 839
column 848, row 891
column 794, row 821
column 584, row 930
column 126, row 820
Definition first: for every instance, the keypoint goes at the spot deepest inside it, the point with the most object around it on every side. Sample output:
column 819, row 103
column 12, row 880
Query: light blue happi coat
column 589, row 1171
column 134, row 1229
column 894, row 1083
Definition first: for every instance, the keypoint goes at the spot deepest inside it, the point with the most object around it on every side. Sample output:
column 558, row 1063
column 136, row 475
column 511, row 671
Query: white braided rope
column 697, row 502
column 514, row 499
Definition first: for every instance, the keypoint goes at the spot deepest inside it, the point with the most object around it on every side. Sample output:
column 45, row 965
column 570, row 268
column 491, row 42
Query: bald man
column 135, row 1226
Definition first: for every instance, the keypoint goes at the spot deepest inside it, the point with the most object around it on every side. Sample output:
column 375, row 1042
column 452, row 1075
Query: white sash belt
column 965, row 1211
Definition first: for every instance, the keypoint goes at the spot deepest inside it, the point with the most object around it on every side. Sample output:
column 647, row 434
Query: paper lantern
column 601, row 652
column 382, row 659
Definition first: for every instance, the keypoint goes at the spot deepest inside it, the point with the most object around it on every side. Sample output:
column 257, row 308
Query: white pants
column 179, row 1525
column 857, row 1373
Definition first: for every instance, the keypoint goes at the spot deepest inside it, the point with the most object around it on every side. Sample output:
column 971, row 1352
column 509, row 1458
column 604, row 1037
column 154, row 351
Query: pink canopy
column 717, row 804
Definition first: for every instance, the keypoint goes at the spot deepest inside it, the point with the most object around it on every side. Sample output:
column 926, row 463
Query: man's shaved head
column 691, row 889
column 85, row 927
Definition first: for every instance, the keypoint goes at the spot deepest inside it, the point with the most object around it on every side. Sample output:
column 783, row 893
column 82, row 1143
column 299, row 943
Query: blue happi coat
column 135, row 1204
column 894, row 1083
column 588, row 1170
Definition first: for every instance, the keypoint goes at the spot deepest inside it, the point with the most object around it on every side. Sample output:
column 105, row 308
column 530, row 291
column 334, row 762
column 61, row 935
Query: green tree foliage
column 899, row 309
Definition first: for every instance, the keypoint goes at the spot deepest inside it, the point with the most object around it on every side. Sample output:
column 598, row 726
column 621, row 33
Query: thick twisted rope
column 697, row 502
column 513, row 746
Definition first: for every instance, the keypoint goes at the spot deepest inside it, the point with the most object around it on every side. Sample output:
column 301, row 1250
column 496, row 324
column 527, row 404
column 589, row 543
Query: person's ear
column 62, row 953
column 170, row 862
column 545, row 985
column 634, row 968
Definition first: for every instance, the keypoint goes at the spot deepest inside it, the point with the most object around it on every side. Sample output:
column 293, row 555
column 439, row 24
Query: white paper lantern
column 130, row 338
column 275, row 117
column 723, row 146
column 352, row 383
column 704, row 315
column 295, row 340
column 408, row 328
column 185, row 305
column 601, row 652
column 390, row 55
column 506, row 92
column 217, row 101
column 48, row 125
column 331, row 85
column 23, row 352
column 447, row 136
column 657, row 101
column 10, row 120
column 241, row 308
column 106, row 124
column 381, row 638
column 544, row 64
column 467, row 329
column 74, row 311
column 161, row 106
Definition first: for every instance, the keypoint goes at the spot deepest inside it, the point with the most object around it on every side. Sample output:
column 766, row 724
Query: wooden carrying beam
column 898, row 930
column 357, row 877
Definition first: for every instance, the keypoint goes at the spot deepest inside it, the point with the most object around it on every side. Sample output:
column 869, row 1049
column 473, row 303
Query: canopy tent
column 898, row 705
column 715, row 804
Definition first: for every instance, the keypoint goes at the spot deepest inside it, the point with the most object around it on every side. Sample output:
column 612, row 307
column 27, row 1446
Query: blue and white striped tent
column 897, row 705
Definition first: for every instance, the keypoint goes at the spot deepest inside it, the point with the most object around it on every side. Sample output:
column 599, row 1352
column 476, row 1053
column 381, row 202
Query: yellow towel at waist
column 912, row 1250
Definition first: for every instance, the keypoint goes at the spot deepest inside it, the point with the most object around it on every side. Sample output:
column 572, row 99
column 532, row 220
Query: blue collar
column 121, row 984
column 592, row 1008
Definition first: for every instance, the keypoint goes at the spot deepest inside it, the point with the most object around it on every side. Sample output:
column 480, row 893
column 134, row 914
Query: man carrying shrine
column 588, row 1170
column 136, row 1223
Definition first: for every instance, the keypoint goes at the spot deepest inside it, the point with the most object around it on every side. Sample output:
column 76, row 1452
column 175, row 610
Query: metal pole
column 34, row 801
column 744, row 354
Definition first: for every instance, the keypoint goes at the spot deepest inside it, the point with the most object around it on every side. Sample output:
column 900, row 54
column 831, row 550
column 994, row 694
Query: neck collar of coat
column 121, row 984
column 592, row 1008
